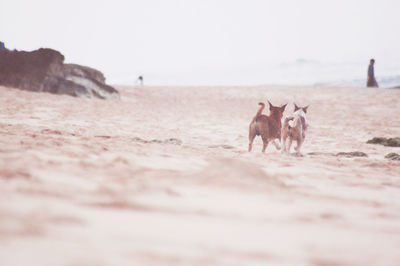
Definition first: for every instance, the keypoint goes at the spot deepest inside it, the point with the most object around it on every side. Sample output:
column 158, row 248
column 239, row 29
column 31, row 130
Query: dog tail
column 258, row 114
column 287, row 119
column 262, row 105
column 286, row 122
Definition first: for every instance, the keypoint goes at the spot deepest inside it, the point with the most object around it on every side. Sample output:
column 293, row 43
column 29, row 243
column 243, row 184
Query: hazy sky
column 165, row 39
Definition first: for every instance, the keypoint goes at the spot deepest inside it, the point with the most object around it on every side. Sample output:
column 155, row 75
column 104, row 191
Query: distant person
column 371, row 81
column 139, row 81
column 2, row 46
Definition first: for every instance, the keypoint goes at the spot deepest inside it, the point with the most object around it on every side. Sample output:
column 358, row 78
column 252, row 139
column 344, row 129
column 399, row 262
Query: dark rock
column 296, row 154
column 340, row 154
column 43, row 70
column 352, row 154
column 393, row 156
column 322, row 153
column 172, row 141
column 223, row 146
column 390, row 142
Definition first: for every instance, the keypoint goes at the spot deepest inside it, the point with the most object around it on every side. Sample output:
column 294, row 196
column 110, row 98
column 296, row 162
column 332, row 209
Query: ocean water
column 300, row 72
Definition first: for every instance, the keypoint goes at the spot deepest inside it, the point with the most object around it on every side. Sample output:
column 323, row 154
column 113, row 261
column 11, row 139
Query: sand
column 163, row 177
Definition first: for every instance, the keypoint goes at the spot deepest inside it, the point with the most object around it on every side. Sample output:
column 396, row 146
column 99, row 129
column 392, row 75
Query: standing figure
column 139, row 81
column 371, row 81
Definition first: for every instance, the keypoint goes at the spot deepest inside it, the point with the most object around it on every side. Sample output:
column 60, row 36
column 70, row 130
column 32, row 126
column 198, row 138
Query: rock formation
column 44, row 70
column 389, row 142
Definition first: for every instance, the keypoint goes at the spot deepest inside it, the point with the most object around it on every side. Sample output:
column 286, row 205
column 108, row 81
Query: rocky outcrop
column 44, row 70
column 389, row 142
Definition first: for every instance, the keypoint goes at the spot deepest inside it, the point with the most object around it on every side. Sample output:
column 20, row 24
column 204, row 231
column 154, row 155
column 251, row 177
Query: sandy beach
column 163, row 177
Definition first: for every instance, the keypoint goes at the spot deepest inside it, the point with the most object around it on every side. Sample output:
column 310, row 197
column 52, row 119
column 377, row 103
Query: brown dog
column 268, row 127
column 297, row 132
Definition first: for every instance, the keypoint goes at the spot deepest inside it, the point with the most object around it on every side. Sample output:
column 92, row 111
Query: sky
column 203, row 41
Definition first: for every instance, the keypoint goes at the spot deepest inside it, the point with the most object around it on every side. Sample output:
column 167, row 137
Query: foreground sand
column 162, row 177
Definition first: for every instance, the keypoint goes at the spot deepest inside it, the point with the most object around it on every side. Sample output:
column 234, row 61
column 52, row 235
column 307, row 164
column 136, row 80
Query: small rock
column 296, row 154
column 173, row 141
column 321, row 153
column 393, row 156
column 224, row 146
column 352, row 154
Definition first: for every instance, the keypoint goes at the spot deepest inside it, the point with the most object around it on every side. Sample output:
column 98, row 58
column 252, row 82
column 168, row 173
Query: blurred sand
column 163, row 177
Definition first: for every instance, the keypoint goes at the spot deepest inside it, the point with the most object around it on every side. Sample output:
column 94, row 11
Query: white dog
column 295, row 132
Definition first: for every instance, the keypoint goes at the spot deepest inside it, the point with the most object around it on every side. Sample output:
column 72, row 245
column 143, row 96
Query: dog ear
column 283, row 106
column 296, row 107
column 305, row 109
column 270, row 104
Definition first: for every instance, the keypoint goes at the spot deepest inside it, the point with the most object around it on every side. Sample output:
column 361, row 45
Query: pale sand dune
column 163, row 177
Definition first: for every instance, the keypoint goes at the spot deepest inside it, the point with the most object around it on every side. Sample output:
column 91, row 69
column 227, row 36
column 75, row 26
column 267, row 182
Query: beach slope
column 162, row 176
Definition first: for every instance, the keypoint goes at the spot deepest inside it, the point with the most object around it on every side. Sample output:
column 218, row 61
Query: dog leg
column 252, row 135
column 250, row 145
column 265, row 143
column 283, row 141
column 289, row 144
column 276, row 145
column 299, row 143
